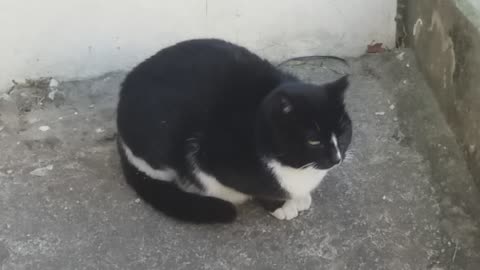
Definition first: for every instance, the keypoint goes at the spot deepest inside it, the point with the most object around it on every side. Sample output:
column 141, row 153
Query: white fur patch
column 291, row 208
column 212, row 187
column 166, row 174
column 216, row 189
column 297, row 182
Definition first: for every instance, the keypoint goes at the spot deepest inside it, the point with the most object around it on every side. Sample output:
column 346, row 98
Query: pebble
column 385, row 198
column 44, row 128
column 99, row 130
column 392, row 107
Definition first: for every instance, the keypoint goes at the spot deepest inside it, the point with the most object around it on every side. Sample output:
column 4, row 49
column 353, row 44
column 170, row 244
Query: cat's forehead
column 311, row 95
column 324, row 113
column 317, row 103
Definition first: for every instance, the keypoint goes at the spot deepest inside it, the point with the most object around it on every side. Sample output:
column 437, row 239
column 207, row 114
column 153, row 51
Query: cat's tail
column 172, row 201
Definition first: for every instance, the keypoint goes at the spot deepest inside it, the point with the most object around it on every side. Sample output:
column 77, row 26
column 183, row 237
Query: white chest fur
column 297, row 182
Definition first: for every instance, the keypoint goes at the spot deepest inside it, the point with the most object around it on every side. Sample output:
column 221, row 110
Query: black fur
column 231, row 109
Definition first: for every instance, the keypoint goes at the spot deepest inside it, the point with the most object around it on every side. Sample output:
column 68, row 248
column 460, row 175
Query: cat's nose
column 336, row 158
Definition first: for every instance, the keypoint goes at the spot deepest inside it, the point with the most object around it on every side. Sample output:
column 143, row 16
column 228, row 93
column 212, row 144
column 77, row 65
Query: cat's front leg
column 292, row 207
column 289, row 209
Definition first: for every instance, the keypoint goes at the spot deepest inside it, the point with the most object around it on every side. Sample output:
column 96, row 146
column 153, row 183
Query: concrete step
column 405, row 200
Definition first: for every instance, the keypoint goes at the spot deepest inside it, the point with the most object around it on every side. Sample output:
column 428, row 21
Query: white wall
column 81, row 38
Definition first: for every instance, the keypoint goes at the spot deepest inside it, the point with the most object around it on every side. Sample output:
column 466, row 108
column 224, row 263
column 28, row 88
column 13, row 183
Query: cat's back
column 197, row 67
column 193, row 76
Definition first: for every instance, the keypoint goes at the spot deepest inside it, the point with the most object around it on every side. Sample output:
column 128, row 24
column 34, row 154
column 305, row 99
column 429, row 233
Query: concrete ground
column 405, row 201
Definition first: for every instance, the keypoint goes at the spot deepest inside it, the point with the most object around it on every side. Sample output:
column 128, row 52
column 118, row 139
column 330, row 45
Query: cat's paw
column 291, row 208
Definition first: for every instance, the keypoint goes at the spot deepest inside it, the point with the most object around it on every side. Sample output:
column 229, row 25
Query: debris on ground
column 379, row 113
column 375, row 48
column 41, row 83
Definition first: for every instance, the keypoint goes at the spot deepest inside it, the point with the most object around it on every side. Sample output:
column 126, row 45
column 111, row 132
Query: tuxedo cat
column 205, row 124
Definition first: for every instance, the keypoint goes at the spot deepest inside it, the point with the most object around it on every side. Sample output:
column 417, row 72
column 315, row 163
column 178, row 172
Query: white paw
column 291, row 208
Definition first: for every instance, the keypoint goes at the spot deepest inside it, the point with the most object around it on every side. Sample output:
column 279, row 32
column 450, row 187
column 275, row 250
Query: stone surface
column 404, row 201
column 446, row 39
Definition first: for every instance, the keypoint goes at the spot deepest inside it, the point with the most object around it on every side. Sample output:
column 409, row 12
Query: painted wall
column 81, row 38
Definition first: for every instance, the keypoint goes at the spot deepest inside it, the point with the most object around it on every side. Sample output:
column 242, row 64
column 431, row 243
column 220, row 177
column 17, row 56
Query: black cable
column 317, row 57
column 313, row 57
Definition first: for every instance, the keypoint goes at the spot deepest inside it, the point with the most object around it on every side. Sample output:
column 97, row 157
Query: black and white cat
column 205, row 124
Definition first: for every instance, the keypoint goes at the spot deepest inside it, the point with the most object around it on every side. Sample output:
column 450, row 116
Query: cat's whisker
column 350, row 155
column 308, row 165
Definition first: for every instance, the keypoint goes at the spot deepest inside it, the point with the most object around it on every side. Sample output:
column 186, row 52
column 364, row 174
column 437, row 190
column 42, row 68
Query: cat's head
column 306, row 125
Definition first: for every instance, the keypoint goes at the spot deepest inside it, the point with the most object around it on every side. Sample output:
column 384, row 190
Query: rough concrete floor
column 406, row 200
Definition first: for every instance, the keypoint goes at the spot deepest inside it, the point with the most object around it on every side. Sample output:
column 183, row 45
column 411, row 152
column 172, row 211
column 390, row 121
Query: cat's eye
column 313, row 142
column 313, row 139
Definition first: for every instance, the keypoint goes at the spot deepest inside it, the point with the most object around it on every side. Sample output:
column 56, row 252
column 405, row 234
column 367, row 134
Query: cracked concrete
column 405, row 201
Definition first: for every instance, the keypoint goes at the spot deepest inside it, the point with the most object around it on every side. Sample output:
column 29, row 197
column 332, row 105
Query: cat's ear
column 281, row 104
column 337, row 89
column 285, row 105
